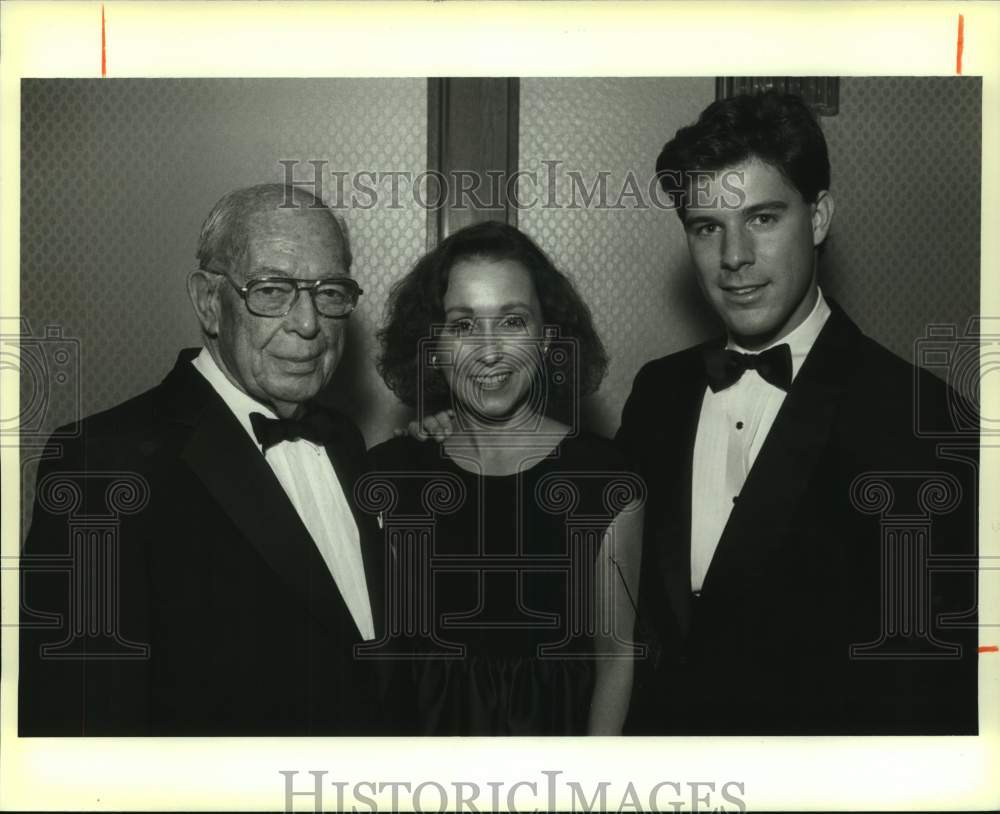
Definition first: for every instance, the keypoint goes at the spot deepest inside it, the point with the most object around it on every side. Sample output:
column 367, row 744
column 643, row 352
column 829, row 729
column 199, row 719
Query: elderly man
column 230, row 596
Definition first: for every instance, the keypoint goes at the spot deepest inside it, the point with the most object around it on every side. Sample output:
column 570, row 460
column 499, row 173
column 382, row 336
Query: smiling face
column 494, row 338
column 281, row 361
column 756, row 264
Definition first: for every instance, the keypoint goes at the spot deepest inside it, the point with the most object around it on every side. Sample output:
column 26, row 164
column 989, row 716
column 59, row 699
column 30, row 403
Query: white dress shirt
column 732, row 427
column 305, row 473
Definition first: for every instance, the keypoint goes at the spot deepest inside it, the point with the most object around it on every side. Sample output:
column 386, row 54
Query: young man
column 766, row 577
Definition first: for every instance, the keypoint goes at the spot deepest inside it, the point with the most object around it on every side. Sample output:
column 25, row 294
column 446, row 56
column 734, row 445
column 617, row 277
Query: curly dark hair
column 416, row 303
column 777, row 128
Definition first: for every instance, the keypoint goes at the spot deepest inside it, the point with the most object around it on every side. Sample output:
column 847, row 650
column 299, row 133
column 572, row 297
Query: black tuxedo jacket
column 189, row 599
column 797, row 577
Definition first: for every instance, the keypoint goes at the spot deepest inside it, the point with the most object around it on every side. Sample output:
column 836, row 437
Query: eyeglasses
column 276, row 296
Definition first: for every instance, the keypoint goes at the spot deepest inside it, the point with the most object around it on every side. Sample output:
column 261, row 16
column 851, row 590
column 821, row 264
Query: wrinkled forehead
column 298, row 241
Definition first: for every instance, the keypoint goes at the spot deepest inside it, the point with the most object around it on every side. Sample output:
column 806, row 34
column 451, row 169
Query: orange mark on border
column 961, row 44
column 104, row 46
column 989, row 648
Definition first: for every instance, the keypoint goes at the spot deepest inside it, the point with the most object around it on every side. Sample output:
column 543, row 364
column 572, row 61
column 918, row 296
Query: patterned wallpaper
column 904, row 251
column 117, row 176
column 906, row 162
column 629, row 263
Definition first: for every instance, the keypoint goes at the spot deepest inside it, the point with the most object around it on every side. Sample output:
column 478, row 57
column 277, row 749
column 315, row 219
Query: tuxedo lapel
column 780, row 476
column 222, row 456
column 683, row 397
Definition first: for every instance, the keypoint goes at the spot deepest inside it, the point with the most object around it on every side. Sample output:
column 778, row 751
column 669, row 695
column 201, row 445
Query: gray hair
column 224, row 234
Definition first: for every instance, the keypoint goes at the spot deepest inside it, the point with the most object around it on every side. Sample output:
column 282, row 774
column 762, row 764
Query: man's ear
column 822, row 216
column 203, row 289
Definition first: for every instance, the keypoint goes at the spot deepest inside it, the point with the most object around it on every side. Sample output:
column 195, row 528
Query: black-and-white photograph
column 579, row 301
column 641, row 406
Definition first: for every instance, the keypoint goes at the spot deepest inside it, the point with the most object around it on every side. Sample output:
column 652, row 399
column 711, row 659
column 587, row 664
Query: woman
column 527, row 612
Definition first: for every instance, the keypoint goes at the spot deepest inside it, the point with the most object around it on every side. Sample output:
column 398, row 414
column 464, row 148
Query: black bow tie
column 315, row 426
column 724, row 367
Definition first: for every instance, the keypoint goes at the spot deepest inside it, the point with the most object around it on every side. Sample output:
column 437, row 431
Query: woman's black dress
column 498, row 575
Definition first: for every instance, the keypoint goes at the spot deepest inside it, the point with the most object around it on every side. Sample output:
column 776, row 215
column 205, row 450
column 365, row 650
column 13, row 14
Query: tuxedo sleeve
column 84, row 632
column 948, row 690
column 632, row 440
column 632, row 432
column 905, row 680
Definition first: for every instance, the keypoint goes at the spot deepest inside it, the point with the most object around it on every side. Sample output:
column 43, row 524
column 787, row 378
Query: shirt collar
column 800, row 340
column 236, row 400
